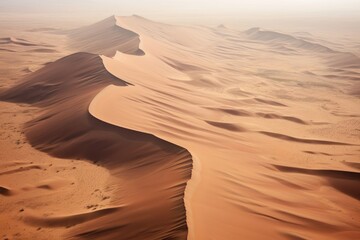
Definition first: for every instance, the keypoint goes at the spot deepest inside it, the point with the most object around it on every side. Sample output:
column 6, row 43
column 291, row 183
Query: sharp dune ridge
column 196, row 136
column 68, row 131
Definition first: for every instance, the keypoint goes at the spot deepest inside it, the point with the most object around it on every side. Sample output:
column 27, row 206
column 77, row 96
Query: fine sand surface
column 134, row 129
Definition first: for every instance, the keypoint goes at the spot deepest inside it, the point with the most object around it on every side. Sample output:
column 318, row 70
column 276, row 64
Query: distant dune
column 276, row 37
column 105, row 37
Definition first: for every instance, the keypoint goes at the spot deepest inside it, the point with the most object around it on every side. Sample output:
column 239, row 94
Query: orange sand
column 179, row 132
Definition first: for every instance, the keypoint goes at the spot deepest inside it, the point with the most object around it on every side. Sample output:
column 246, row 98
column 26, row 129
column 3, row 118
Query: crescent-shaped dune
column 152, row 172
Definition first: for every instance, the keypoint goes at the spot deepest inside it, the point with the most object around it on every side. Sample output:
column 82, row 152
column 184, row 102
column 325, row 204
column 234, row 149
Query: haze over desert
column 235, row 120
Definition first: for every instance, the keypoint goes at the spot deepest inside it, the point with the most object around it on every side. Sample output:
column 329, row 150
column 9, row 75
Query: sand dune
column 52, row 84
column 138, row 100
column 344, row 181
column 16, row 41
column 202, row 137
column 66, row 221
column 105, row 37
column 300, row 140
column 276, row 37
column 68, row 131
column 21, row 45
column 346, row 60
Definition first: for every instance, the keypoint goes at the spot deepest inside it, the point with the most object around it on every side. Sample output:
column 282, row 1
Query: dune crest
column 151, row 174
column 191, row 114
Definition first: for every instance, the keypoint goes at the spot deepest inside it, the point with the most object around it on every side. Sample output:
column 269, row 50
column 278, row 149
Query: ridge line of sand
column 190, row 184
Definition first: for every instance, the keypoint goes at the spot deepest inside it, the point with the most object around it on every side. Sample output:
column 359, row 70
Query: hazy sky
column 307, row 12
column 249, row 7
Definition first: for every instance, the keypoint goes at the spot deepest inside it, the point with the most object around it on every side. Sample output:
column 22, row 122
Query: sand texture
column 135, row 129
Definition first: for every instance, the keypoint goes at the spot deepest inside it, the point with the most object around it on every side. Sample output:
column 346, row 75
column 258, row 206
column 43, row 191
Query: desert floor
column 135, row 129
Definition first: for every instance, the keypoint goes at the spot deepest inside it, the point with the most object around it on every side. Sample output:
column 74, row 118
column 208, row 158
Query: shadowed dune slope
column 345, row 181
column 105, row 37
column 74, row 76
column 150, row 174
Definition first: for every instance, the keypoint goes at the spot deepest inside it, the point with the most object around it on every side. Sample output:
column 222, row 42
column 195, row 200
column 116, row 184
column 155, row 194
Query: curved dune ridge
column 190, row 114
column 268, row 119
column 151, row 173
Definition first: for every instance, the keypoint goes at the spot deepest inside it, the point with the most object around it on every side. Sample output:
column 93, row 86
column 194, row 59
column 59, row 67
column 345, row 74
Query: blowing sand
column 134, row 129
